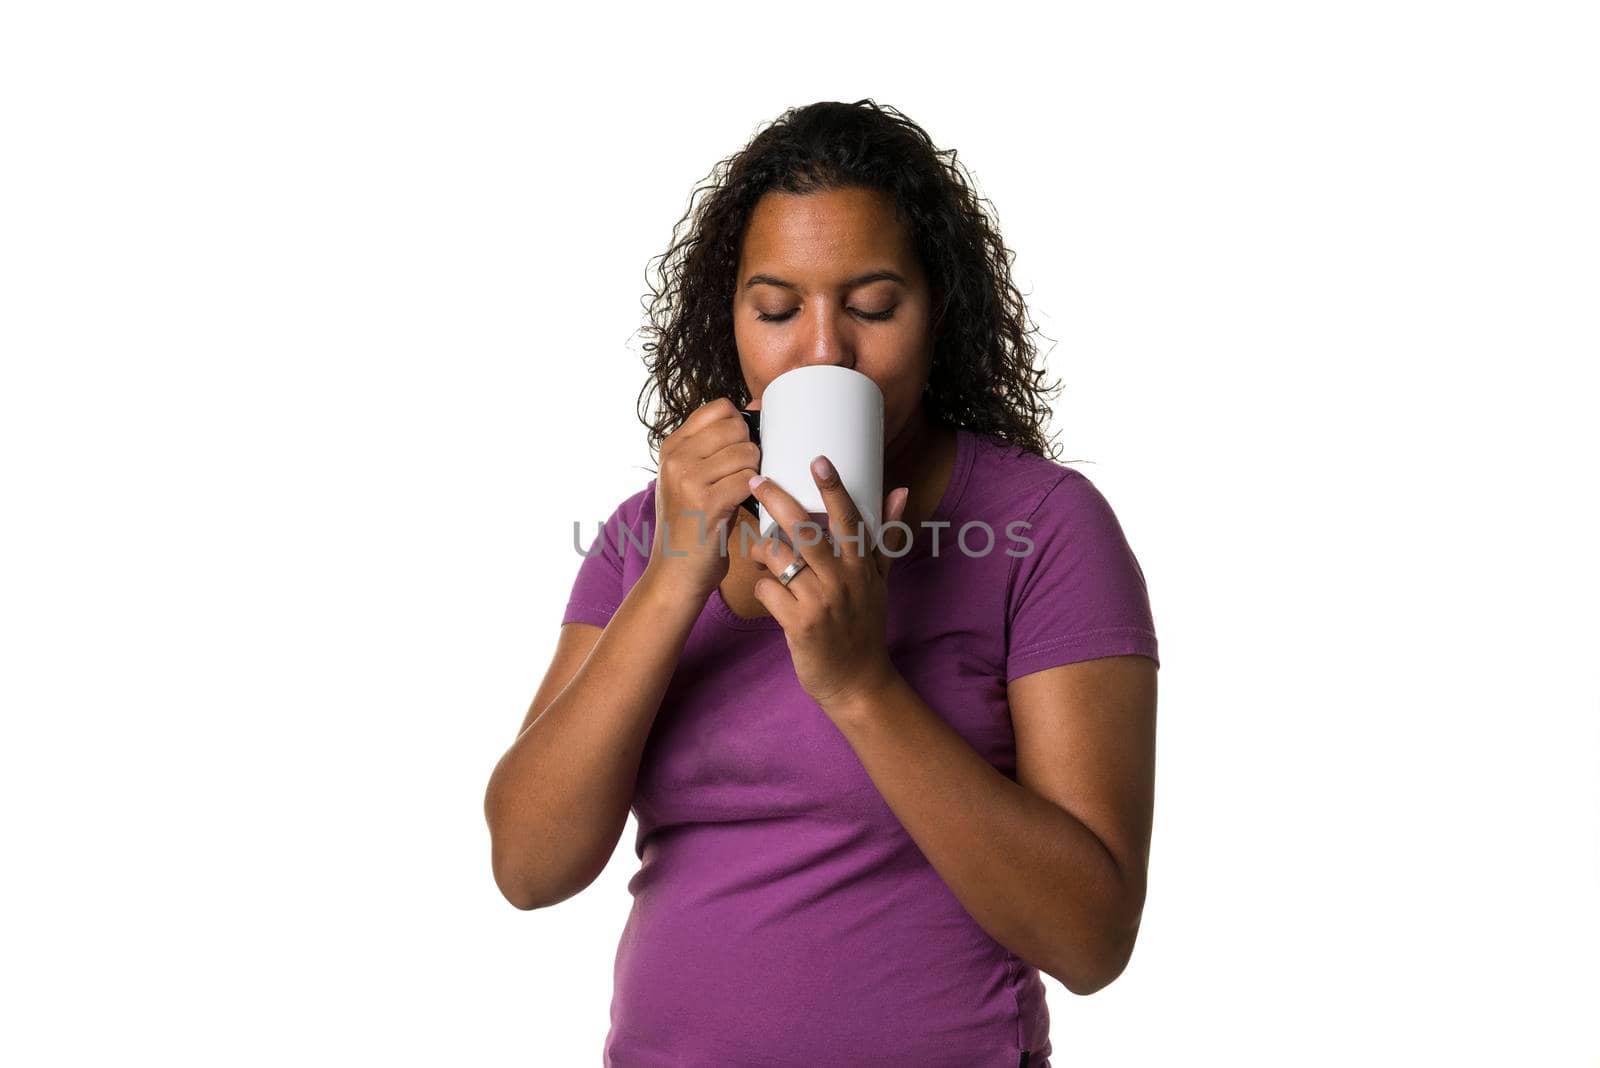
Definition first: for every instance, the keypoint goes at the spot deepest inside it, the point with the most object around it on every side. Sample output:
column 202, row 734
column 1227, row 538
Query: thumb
column 894, row 506
column 896, row 509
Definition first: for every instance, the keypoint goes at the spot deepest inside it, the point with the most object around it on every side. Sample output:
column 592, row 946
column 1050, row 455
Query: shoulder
column 1055, row 516
column 1007, row 483
column 1075, row 589
column 637, row 507
column 623, row 538
column 641, row 504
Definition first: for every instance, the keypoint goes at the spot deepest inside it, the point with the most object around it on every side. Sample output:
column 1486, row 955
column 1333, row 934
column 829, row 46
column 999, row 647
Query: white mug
column 824, row 410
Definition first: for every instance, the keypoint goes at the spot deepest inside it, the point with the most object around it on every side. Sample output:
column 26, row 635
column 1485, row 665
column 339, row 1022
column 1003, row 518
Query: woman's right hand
column 703, row 477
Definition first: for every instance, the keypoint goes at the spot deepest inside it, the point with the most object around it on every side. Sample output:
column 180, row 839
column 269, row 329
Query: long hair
column 982, row 377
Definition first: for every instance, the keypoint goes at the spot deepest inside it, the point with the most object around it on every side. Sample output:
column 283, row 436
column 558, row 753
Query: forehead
column 841, row 231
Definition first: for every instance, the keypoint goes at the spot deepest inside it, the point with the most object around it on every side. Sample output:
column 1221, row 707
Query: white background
column 318, row 333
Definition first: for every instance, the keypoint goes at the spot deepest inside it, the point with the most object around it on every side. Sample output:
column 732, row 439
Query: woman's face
column 838, row 280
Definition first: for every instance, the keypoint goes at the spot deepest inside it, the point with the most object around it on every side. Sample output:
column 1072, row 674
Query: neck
column 906, row 457
column 919, row 457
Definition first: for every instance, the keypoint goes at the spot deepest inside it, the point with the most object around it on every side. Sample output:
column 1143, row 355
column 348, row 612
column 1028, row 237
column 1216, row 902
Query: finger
column 726, row 494
column 844, row 518
column 713, row 434
column 739, row 457
column 782, row 601
column 802, row 532
column 710, row 412
column 774, row 556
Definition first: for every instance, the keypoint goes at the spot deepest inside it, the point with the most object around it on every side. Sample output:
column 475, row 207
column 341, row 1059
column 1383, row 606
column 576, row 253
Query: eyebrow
column 859, row 280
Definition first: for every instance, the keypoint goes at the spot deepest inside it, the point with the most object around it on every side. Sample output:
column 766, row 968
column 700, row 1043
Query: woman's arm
column 559, row 798
column 1052, row 866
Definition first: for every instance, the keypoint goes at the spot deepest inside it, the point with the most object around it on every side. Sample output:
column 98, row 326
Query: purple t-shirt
column 781, row 914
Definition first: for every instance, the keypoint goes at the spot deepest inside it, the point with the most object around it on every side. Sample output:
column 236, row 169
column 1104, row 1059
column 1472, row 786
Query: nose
column 829, row 341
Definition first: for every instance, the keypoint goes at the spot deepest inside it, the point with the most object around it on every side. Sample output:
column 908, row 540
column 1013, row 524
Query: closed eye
column 877, row 317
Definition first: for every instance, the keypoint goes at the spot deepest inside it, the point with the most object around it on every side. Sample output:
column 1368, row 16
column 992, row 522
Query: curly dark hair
column 983, row 376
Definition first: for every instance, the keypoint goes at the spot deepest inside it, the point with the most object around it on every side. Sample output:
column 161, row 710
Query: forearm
column 1029, row 873
column 558, row 799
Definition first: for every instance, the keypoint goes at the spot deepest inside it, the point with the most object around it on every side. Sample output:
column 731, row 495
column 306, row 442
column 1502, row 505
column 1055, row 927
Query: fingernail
column 821, row 467
column 756, row 480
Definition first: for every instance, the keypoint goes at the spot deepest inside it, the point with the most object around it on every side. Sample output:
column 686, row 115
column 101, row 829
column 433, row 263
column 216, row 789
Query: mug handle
column 753, row 421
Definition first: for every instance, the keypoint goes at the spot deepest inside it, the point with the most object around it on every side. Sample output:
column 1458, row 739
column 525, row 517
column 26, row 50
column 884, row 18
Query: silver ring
column 786, row 576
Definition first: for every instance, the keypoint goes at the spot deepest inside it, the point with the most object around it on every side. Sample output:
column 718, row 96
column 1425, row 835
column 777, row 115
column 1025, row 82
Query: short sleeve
column 1078, row 593
column 615, row 558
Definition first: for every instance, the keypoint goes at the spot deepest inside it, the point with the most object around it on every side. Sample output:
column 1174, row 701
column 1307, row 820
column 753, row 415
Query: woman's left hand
column 834, row 613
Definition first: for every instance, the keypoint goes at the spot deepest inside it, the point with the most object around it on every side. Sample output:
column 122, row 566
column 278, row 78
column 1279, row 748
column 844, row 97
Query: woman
column 877, row 798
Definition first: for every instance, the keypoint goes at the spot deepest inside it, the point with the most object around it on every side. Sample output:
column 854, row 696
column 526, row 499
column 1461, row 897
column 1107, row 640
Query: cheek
column 902, row 393
column 745, row 341
column 903, row 381
column 904, row 363
column 760, row 348
column 905, row 346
